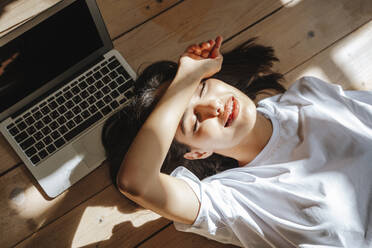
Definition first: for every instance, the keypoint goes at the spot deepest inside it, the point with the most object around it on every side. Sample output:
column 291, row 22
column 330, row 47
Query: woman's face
column 218, row 117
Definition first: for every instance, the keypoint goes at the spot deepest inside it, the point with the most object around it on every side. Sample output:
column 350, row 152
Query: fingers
column 216, row 49
column 208, row 49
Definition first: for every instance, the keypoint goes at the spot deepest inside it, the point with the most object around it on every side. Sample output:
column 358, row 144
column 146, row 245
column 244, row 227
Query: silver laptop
column 60, row 79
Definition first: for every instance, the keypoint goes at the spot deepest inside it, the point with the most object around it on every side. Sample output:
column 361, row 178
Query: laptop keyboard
column 61, row 117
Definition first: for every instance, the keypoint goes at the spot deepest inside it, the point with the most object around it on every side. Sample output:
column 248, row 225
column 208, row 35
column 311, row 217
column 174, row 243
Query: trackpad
column 90, row 147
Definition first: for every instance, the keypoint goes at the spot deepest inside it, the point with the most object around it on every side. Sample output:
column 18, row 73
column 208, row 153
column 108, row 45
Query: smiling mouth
column 232, row 111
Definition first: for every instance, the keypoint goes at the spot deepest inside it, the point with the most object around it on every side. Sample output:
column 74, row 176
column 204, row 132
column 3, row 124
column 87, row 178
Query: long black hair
column 247, row 67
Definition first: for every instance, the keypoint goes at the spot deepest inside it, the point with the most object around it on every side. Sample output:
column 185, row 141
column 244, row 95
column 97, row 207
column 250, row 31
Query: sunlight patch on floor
column 106, row 218
column 32, row 206
column 352, row 55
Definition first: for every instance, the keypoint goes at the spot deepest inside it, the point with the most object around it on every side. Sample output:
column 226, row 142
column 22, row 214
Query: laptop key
column 51, row 148
column 60, row 142
column 114, row 94
column 22, row 125
column 76, row 99
column 93, row 109
column 30, row 152
column 68, row 95
column 55, row 135
column 91, row 100
column 27, row 143
column 85, row 93
column 31, row 130
column 78, row 119
column 62, row 109
column 38, row 136
column 39, row 125
column 45, row 110
column 54, row 125
column 43, row 154
column 120, row 80
column 104, row 70
column 90, row 80
column 54, row 114
column 23, row 135
column 100, row 104
column 61, row 120
column 35, row 159
column 123, row 88
column 113, row 64
column 83, row 85
column 113, row 74
column 61, row 100
column 76, row 110
column 106, row 110
column 30, row 120
column 69, row 115
column 97, row 75
column 53, row 105
column 114, row 104
column 38, row 115
column 75, row 90
column 39, row 145
column 13, row 131
column 107, row 99
column 106, row 79
column 46, row 130
column 84, row 125
column 47, row 120
column 47, row 140
column 63, row 129
column 123, row 72
column 70, row 124
column 69, row 104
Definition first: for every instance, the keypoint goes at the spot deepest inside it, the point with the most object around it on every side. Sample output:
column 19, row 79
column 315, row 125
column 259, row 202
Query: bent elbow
column 129, row 186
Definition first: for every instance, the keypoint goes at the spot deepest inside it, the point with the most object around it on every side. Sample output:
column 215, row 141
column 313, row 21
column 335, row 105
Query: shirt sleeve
column 213, row 218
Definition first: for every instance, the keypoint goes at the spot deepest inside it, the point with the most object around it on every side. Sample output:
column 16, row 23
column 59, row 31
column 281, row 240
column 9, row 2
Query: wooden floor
column 329, row 39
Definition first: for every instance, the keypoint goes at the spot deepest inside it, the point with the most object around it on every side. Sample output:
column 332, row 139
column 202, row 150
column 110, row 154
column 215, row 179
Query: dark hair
column 247, row 67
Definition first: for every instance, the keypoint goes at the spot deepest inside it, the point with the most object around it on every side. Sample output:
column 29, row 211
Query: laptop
column 60, row 79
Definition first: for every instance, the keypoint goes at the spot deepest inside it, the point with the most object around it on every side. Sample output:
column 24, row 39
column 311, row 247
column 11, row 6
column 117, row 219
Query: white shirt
column 311, row 186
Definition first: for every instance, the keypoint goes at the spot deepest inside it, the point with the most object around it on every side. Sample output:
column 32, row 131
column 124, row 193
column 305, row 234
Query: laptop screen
column 45, row 51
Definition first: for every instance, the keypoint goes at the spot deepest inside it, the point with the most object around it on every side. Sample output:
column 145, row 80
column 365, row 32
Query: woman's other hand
column 204, row 58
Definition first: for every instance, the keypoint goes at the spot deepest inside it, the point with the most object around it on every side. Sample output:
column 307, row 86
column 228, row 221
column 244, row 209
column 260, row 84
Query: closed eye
column 202, row 88
column 196, row 124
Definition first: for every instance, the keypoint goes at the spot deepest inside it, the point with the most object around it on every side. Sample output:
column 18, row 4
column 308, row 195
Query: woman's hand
column 205, row 58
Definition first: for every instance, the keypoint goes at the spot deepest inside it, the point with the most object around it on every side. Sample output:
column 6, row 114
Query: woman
column 302, row 157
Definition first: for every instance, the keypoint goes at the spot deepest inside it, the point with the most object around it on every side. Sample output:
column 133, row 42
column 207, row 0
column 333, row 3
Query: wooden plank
column 167, row 35
column 8, row 157
column 300, row 31
column 24, row 209
column 107, row 220
column 347, row 62
column 170, row 237
column 121, row 16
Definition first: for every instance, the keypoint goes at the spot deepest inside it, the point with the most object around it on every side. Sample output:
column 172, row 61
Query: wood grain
column 107, row 220
column 347, row 62
column 170, row 237
column 121, row 16
column 299, row 32
column 166, row 36
column 24, row 209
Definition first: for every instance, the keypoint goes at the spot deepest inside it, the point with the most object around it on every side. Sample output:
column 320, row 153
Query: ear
column 197, row 154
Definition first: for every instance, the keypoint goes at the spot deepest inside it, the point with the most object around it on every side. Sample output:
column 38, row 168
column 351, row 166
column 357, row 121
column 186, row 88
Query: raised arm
column 139, row 177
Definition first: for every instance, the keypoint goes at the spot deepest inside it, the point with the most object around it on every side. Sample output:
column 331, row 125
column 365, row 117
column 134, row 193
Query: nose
column 208, row 109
